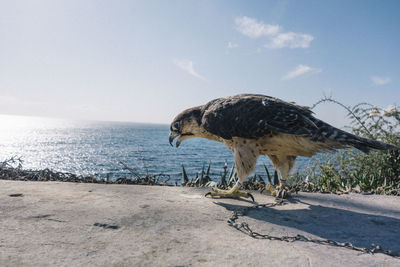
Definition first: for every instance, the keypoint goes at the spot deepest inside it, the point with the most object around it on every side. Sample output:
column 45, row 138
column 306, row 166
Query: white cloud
column 187, row 65
column 291, row 40
column 255, row 29
column 377, row 80
column 301, row 70
column 232, row 45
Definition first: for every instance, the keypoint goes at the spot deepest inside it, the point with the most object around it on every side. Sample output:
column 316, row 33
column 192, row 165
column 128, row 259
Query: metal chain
column 245, row 228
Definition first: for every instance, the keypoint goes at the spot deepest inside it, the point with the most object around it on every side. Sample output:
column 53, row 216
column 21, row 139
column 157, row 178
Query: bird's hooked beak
column 172, row 136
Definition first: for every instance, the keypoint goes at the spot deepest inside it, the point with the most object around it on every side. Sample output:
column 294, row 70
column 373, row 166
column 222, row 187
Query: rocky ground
column 78, row 224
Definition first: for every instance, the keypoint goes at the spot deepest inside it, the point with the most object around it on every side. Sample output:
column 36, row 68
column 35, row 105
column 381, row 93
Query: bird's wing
column 253, row 116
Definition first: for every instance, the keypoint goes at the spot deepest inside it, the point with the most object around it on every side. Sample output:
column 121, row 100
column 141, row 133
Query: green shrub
column 377, row 171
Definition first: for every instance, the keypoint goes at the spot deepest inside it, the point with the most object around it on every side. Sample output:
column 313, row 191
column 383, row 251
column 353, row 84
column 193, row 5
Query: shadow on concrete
column 361, row 203
column 340, row 225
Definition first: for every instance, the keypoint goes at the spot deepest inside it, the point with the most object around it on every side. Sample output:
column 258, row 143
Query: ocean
column 97, row 148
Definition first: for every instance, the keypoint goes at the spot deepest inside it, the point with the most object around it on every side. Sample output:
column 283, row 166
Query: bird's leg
column 282, row 190
column 230, row 193
column 245, row 158
column 284, row 165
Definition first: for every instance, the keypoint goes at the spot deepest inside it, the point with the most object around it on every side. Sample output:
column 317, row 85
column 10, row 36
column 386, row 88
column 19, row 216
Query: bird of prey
column 251, row 125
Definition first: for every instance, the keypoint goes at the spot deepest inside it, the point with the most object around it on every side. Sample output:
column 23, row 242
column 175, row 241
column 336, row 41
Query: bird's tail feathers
column 365, row 145
column 361, row 143
column 342, row 138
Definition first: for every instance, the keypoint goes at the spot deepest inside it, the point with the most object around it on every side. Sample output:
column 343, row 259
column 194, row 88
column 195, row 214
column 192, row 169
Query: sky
column 146, row 61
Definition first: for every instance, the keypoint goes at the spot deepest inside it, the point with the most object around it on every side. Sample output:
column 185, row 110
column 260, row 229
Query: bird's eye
column 176, row 125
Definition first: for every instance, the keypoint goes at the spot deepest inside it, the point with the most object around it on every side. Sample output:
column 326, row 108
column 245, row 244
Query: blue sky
column 145, row 61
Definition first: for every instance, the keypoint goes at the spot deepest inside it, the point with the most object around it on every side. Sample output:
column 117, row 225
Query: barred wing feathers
column 253, row 116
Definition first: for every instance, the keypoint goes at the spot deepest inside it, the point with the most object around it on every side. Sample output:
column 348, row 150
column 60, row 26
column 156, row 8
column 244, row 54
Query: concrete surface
column 71, row 224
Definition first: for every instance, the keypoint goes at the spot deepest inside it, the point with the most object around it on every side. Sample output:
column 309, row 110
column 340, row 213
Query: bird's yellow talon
column 280, row 191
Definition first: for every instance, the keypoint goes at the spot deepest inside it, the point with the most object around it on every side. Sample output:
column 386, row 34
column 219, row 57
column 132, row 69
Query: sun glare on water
column 12, row 127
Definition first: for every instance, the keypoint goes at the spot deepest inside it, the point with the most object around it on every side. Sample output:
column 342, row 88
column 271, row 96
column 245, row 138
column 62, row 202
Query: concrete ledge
column 73, row 224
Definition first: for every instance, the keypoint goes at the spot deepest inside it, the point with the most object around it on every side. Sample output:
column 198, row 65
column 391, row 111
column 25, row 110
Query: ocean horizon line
column 81, row 120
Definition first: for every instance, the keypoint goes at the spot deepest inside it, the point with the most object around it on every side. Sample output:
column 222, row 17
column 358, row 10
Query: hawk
column 251, row 125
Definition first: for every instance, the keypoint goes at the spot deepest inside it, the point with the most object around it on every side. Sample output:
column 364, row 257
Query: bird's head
column 186, row 125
